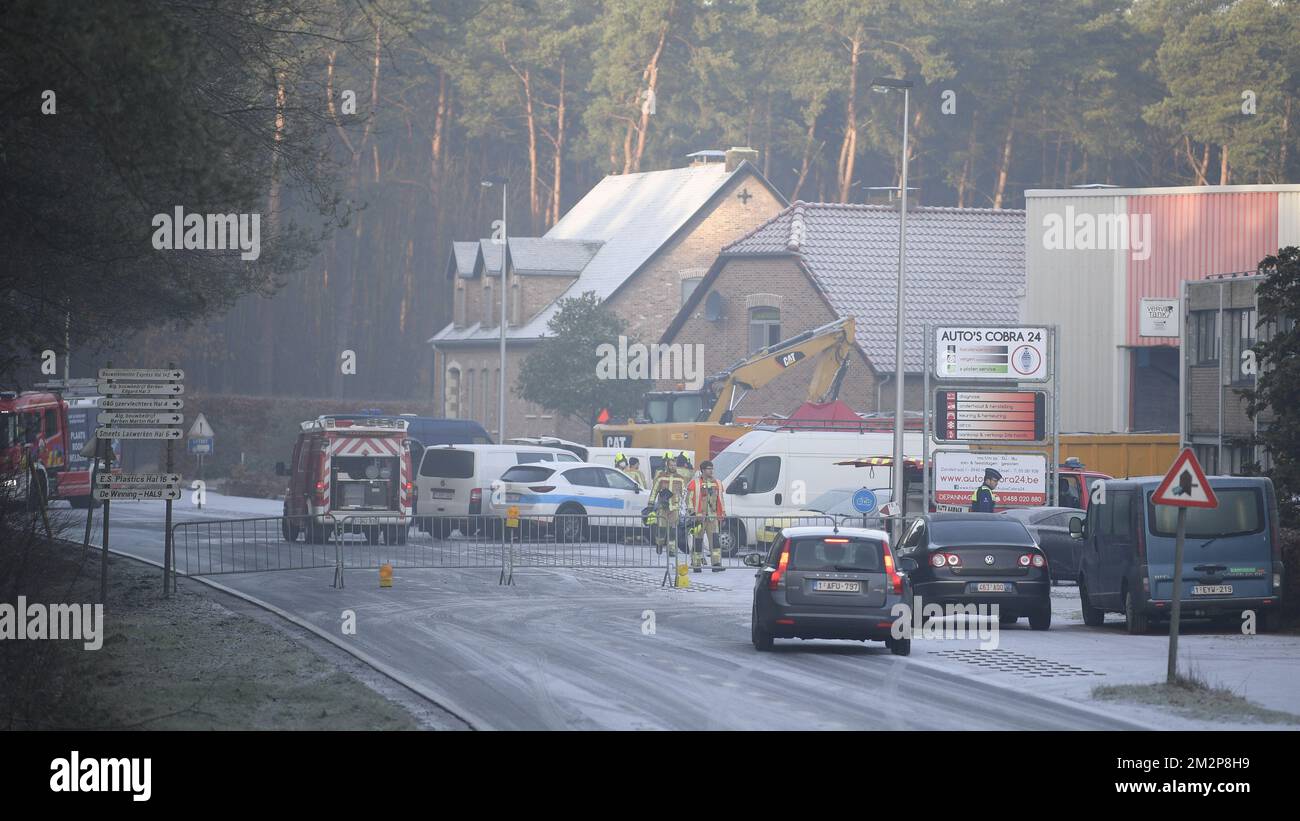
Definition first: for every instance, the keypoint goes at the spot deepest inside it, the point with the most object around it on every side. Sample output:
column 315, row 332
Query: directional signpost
column 1184, row 486
column 139, row 403
column 1000, row 393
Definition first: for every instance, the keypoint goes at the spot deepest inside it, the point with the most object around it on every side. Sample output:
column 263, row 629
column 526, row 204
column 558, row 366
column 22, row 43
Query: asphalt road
column 568, row 648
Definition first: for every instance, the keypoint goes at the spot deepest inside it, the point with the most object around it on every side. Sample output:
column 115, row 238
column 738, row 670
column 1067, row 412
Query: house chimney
column 736, row 154
column 706, row 157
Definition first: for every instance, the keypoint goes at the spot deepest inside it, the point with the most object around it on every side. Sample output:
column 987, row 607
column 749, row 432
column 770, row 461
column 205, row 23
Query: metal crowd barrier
column 251, row 545
column 487, row 542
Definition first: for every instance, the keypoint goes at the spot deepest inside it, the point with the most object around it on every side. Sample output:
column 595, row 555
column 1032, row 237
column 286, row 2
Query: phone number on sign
column 953, row 497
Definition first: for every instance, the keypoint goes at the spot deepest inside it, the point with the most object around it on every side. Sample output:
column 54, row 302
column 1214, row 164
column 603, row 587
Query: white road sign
column 137, row 433
column 201, row 429
column 113, row 388
column 141, row 373
column 141, row 403
column 140, row 485
column 138, row 478
column 114, row 495
column 977, row 352
column 958, row 473
column 141, row 418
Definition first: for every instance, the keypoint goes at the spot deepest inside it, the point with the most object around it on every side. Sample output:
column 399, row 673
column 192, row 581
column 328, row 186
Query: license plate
column 992, row 587
column 1212, row 590
column 838, row 587
column 444, row 494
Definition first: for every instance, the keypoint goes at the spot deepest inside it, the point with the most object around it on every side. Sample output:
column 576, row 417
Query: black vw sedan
column 979, row 559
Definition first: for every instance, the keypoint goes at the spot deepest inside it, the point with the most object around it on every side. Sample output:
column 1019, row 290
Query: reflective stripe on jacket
column 697, row 493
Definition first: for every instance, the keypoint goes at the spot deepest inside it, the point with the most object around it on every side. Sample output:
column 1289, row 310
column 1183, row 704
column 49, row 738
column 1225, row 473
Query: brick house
column 641, row 242
column 816, row 262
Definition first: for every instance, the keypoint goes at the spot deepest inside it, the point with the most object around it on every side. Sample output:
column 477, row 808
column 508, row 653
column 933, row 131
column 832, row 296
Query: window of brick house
column 469, row 394
column 451, row 402
column 689, row 284
column 764, row 327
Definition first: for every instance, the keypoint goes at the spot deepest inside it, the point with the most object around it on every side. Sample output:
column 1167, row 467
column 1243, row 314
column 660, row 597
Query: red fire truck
column 33, row 446
column 353, row 473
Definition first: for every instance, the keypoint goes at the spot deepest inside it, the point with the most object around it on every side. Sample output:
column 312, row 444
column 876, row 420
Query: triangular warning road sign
column 1185, row 485
column 200, row 429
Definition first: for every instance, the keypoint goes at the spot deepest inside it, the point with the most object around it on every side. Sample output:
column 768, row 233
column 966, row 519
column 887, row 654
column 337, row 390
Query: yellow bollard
column 385, row 575
column 683, row 577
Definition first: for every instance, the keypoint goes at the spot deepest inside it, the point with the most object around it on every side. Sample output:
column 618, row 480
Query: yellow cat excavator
column 703, row 420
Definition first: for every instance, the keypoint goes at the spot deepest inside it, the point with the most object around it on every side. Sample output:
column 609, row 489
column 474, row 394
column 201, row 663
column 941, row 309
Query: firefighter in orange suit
column 704, row 495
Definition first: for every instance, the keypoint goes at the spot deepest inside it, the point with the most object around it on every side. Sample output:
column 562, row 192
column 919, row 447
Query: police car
column 571, row 496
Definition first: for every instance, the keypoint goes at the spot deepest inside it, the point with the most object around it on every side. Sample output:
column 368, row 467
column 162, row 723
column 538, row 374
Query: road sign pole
column 1176, row 610
column 103, row 565
column 167, row 535
column 926, row 365
column 94, row 477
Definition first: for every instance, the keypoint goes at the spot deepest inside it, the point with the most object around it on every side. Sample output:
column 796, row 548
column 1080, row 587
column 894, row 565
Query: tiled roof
column 963, row 264
column 625, row 219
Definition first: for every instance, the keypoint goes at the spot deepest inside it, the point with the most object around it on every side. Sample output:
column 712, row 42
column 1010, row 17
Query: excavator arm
column 831, row 344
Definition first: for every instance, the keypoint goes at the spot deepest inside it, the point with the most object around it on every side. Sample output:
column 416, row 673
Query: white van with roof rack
column 454, row 482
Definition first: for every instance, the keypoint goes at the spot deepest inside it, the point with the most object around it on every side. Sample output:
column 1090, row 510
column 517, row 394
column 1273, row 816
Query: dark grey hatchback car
column 827, row 583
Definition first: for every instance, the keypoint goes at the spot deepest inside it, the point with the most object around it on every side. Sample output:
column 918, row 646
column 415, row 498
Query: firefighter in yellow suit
column 667, row 491
column 704, row 495
column 630, row 470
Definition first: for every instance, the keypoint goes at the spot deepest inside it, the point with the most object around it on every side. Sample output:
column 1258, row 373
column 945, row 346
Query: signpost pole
column 1176, row 610
column 167, row 536
column 1054, row 487
column 94, row 474
column 927, row 363
column 103, row 565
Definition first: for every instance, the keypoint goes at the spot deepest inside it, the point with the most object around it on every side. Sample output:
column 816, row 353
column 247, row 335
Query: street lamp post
column 488, row 182
column 885, row 85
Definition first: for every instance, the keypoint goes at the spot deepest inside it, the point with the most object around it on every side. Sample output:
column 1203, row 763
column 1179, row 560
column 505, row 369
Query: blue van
column 1232, row 559
column 429, row 431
